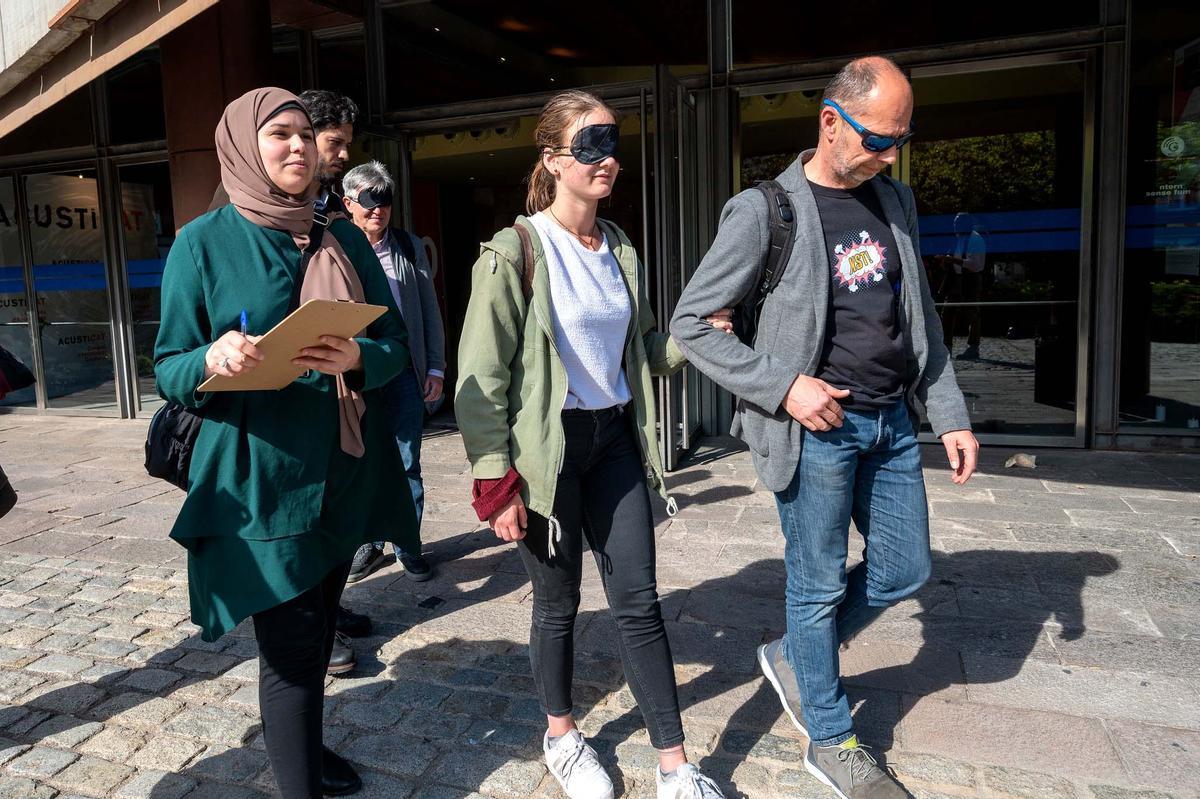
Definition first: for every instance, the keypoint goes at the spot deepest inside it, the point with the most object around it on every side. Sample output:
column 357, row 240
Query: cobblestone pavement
column 1053, row 654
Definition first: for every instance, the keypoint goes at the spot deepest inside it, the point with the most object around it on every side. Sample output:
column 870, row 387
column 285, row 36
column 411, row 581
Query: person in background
column 333, row 117
column 368, row 191
column 284, row 486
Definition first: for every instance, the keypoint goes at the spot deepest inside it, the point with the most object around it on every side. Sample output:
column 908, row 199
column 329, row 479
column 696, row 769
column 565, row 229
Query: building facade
column 1058, row 145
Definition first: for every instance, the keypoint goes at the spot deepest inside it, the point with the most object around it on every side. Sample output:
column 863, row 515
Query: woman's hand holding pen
column 335, row 356
column 232, row 354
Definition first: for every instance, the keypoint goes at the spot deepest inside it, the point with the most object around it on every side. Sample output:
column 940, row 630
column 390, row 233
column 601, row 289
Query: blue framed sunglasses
column 875, row 142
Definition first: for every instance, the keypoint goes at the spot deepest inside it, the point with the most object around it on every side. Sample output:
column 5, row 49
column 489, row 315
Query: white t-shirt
column 591, row 311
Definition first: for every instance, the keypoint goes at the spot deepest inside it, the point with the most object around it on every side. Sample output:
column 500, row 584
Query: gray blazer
column 791, row 332
column 419, row 307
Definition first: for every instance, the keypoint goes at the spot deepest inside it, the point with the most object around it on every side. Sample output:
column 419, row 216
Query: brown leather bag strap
column 527, row 259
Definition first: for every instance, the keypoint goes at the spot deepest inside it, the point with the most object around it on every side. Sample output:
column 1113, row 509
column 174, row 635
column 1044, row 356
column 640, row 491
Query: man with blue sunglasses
column 848, row 351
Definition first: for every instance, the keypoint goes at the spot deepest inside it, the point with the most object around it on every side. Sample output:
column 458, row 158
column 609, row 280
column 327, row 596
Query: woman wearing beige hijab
column 284, row 485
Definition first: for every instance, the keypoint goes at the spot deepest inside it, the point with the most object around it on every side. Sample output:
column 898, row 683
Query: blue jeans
column 868, row 470
column 406, row 409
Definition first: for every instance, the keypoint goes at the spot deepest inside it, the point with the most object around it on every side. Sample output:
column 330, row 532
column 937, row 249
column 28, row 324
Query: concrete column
column 207, row 63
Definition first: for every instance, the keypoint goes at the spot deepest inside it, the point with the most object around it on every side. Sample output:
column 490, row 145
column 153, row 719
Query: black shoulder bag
column 174, row 427
column 781, row 220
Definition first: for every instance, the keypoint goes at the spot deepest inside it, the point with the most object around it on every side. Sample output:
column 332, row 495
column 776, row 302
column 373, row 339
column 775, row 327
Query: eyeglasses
column 594, row 143
column 875, row 142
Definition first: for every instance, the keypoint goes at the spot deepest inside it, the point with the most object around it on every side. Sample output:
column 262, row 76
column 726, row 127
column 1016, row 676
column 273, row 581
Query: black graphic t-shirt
column 864, row 345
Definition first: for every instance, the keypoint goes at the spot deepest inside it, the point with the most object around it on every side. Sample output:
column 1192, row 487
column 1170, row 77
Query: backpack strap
column 527, row 261
column 781, row 220
column 315, row 236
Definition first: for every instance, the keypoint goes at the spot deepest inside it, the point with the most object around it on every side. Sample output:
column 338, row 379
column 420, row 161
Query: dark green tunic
column 274, row 503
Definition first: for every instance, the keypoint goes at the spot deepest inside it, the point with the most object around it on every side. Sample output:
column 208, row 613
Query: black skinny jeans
column 295, row 641
column 602, row 496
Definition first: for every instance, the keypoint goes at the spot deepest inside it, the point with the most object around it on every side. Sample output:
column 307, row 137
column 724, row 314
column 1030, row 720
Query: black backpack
column 175, row 427
column 781, row 219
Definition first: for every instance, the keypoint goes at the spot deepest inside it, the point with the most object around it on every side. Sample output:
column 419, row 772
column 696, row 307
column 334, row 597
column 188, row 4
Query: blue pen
column 243, row 321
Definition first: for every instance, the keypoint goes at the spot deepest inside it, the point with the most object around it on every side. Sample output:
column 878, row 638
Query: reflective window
column 67, row 123
column 1160, row 319
column 287, row 68
column 766, row 32
column 14, row 310
column 135, row 106
column 997, row 169
column 67, row 239
column 341, row 63
column 447, row 50
column 149, row 229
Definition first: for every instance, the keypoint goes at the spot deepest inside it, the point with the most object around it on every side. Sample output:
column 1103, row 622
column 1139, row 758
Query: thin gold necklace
column 576, row 235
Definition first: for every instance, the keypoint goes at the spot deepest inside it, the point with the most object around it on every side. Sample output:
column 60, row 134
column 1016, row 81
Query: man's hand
column 335, row 356
column 722, row 320
column 814, row 403
column 963, row 451
column 510, row 522
column 433, row 388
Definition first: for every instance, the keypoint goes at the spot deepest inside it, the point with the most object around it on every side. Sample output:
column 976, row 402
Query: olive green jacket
column 512, row 384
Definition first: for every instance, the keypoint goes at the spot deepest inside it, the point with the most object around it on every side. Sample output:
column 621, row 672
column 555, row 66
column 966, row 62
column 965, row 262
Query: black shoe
column 355, row 625
column 8, row 497
column 342, row 661
column 338, row 778
column 367, row 559
column 415, row 566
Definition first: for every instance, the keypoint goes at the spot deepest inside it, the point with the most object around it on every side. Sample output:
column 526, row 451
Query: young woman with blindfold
column 556, row 407
column 284, row 485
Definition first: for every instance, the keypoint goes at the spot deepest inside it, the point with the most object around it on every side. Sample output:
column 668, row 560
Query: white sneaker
column 686, row 782
column 575, row 765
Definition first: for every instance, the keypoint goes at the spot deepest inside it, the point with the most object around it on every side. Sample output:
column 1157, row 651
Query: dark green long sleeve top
column 273, row 504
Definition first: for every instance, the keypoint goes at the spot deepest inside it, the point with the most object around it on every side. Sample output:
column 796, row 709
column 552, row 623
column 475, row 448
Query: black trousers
column 601, row 497
column 295, row 641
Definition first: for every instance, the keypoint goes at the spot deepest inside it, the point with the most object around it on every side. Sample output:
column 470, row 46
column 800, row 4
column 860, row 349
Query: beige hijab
column 330, row 274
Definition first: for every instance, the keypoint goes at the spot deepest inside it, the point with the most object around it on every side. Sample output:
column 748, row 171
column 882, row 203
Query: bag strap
column 781, row 219
column 315, row 237
column 527, row 261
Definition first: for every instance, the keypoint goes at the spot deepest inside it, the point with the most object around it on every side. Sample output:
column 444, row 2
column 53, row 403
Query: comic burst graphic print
column 859, row 261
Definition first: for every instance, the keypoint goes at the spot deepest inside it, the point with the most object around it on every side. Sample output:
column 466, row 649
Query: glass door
column 147, row 232
column 1000, row 167
column 16, row 339
column 676, row 250
column 75, row 324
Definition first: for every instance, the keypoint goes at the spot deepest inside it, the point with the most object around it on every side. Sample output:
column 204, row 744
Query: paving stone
column 206, row 663
column 236, row 764
column 150, row 680
column 59, row 665
column 1157, row 756
column 156, row 785
column 213, row 724
column 115, row 744
column 968, row 732
column 22, row 788
column 137, row 710
column 493, row 775
column 166, row 753
column 11, row 749
column 41, row 762
column 393, row 754
column 120, row 631
column 932, row 769
column 1114, row 792
column 102, row 673
column 1026, row 784
column 106, row 648
column 214, row 790
column 68, row 698
column 66, row 732
column 92, row 776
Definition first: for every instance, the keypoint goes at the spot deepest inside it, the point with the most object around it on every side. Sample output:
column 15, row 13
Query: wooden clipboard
column 302, row 328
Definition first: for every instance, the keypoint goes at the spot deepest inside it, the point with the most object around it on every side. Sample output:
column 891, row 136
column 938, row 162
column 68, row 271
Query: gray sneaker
column 850, row 770
column 779, row 673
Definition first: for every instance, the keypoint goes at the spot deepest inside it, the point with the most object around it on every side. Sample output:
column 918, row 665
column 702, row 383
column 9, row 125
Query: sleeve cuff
column 436, row 373
column 489, row 496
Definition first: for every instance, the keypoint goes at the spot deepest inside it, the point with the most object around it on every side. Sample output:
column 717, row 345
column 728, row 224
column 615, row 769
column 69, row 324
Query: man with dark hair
column 333, row 118
column 848, row 349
